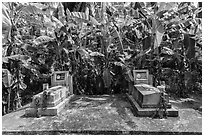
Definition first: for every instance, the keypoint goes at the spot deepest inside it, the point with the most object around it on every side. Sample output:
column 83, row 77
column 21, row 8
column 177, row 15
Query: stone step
column 153, row 106
column 148, row 112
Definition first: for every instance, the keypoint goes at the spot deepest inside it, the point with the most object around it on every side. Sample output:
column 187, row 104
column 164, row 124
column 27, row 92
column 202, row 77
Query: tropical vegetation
column 100, row 43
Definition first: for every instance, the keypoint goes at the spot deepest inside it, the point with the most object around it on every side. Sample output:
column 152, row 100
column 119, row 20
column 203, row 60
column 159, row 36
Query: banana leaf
column 31, row 9
column 58, row 23
column 39, row 5
column 116, row 39
column 81, row 16
column 42, row 39
column 6, row 24
column 94, row 54
column 119, row 64
column 167, row 51
column 61, row 13
column 48, row 23
column 82, row 51
column 159, row 33
column 17, row 57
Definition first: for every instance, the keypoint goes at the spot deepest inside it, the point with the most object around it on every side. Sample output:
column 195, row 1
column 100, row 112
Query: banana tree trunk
column 107, row 78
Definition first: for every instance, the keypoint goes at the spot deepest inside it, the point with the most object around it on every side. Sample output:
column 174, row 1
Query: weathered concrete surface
column 102, row 114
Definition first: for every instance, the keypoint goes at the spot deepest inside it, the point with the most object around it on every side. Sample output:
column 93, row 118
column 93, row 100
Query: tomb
column 144, row 97
column 52, row 100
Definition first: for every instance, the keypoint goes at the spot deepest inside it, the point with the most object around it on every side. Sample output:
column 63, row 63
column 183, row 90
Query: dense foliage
column 100, row 43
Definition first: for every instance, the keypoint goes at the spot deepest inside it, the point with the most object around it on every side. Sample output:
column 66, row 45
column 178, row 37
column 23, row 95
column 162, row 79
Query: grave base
column 148, row 112
column 148, row 96
column 49, row 111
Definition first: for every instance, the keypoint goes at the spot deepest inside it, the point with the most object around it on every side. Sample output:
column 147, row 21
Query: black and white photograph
column 101, row 68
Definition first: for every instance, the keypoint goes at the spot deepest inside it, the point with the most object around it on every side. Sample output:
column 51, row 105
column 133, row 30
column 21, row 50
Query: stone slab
column 146, row 96
column 50, row 111
column 148, row 112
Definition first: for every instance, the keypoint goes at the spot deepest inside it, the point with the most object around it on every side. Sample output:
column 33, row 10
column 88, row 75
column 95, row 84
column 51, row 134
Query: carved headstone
column 141, row 76
column 62, row 78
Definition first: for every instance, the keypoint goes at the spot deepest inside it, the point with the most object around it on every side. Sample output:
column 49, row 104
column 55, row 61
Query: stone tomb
column 52, row 100
column 144, row 97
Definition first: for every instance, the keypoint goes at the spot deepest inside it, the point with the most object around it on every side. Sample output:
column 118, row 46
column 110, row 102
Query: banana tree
column 101, row 27
column 14, row 20
column 89, row 25
column 168, row 24
column 9, row 30
column 16, row 84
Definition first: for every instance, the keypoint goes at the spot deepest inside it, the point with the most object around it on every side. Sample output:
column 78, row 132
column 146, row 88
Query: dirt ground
column 106, row 114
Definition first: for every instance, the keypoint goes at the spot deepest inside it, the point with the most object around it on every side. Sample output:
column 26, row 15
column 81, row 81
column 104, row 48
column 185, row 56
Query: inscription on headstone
column 141, row 76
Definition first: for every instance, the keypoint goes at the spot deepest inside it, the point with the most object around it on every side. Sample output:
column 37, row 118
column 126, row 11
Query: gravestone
column 52, row 100
column 62, row 78
column 146, row 98
column 141, row 76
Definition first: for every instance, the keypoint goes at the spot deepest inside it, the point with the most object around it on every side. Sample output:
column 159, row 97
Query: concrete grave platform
column 54, row 104
column 171, row 112
column 102, row 114
column 49, row 111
